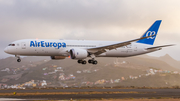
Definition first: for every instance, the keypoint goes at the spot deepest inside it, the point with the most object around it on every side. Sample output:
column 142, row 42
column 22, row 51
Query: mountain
column 41, row 68
column 166, row 58
column 172, row 62
column 11, row 62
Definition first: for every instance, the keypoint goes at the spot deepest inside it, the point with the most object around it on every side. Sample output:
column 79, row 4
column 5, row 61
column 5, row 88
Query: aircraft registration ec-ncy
column 81, row 49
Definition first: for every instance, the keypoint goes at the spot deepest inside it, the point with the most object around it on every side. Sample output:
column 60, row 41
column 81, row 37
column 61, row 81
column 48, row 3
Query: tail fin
column 153, row 30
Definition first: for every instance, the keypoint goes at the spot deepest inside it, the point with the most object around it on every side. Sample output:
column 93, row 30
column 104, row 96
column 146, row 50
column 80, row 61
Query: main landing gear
column 90, row 61
column 82, row 61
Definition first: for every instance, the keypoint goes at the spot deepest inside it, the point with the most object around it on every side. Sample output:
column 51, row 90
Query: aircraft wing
column 159, row 46
column 101, row 49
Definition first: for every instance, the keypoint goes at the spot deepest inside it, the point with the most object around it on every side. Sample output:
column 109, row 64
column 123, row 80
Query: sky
column 111, row 20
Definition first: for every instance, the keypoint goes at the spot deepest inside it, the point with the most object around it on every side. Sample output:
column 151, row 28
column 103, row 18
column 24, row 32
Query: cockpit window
column 11, row 45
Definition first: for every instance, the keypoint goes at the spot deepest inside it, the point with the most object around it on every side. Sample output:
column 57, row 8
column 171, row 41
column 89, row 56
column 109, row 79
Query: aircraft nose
column 6, row 50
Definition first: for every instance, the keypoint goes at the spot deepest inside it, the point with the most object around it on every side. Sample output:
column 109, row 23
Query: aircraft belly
column 117, row 53
column 124, row 52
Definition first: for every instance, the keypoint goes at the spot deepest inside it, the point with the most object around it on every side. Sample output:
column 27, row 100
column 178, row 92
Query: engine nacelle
column 57, row 57
column 78, row 53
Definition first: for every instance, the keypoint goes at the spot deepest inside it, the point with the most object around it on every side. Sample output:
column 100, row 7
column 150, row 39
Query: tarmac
column 142, row 93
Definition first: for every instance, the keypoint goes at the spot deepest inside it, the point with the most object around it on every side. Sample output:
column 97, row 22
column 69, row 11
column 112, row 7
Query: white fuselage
column 47, row 47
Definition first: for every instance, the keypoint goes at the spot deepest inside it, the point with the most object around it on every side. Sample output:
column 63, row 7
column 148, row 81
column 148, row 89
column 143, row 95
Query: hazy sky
column 113, row 20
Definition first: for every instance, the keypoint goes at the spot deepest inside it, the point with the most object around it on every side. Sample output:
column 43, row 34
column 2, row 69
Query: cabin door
column 23, row 45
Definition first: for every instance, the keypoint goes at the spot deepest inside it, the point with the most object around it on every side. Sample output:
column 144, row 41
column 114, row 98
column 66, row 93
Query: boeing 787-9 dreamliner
column 81, row 49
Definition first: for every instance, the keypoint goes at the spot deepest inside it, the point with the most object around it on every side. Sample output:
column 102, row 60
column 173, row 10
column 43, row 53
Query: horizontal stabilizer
column 159, row 46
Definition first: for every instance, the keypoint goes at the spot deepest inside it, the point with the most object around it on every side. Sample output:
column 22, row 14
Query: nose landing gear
column 18, row 58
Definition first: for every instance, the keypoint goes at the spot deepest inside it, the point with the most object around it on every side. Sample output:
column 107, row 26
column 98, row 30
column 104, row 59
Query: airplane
column 82, row 49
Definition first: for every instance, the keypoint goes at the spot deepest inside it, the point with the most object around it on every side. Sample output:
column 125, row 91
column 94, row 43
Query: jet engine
column 57, row 57
column 78, row 53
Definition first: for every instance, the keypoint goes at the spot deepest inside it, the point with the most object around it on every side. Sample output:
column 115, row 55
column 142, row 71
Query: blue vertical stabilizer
column 153, row 30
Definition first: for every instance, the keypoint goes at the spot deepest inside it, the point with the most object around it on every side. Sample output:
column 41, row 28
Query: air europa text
column 47, row 44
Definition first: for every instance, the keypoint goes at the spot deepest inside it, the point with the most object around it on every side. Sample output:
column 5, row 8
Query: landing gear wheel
column 95, row 62
column 90, row 61
column 79, row 61
column 18, row 60
column 84, row 62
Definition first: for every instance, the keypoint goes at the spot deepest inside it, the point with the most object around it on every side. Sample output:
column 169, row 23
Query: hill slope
column 107, row 69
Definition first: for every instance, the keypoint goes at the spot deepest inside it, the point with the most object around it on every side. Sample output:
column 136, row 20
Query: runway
column 90, row 90
column 122, row 93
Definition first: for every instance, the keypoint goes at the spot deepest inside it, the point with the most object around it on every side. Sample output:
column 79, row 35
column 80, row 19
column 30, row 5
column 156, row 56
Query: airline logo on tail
column 153, row 30
column 150, row 33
